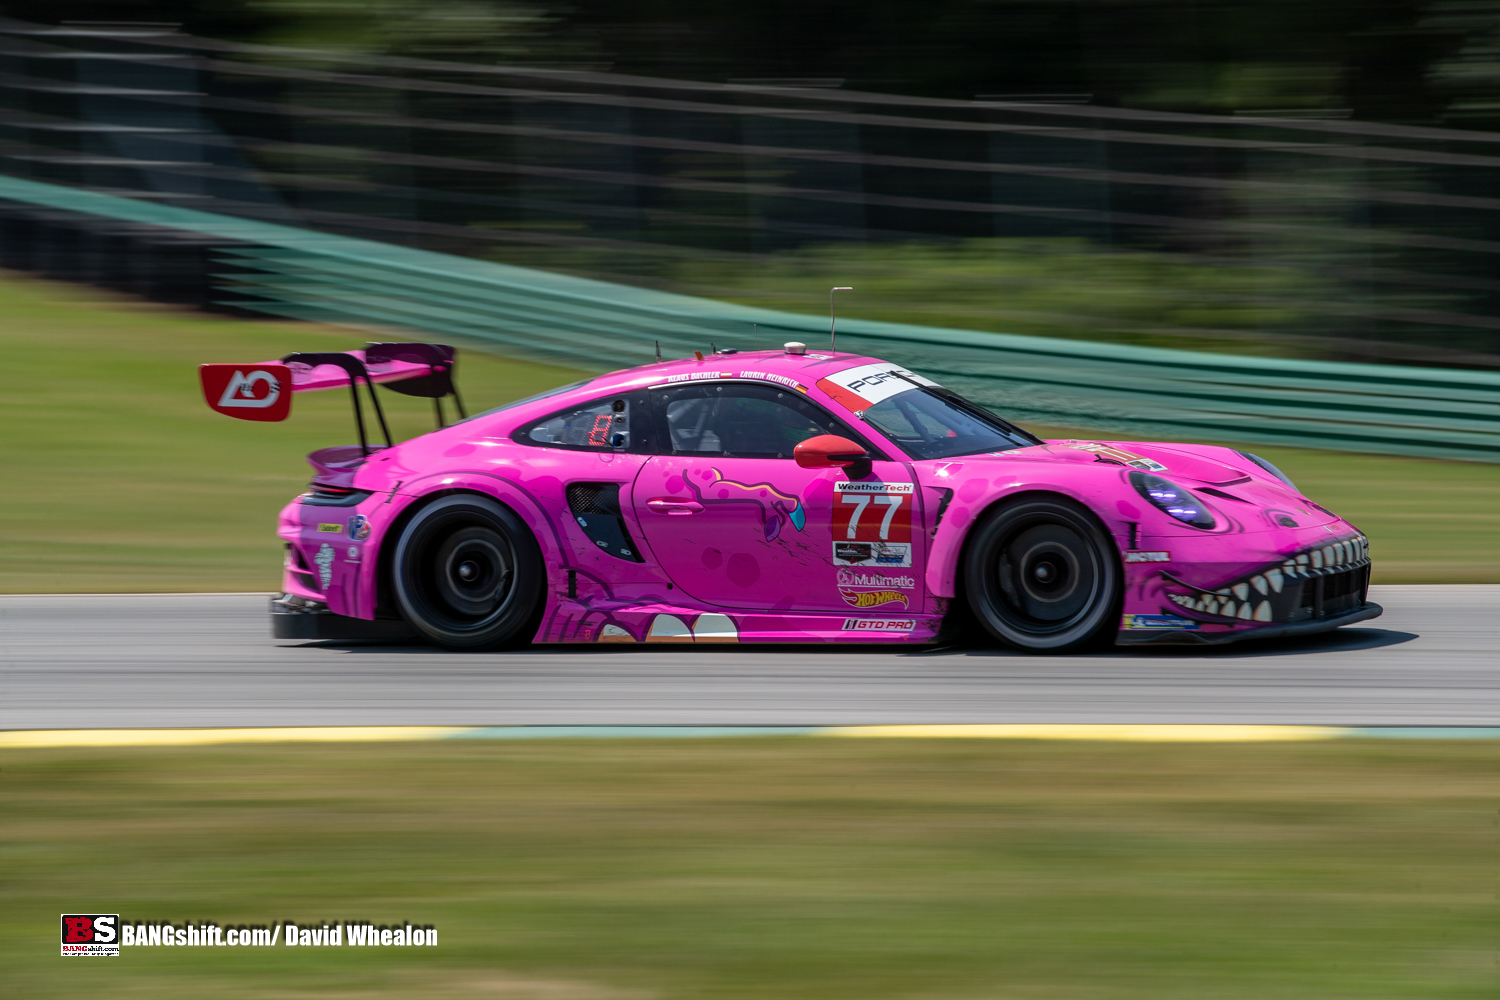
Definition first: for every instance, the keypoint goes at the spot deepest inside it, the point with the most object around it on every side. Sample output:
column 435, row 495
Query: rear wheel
column 1042, row 574
column 467, row 573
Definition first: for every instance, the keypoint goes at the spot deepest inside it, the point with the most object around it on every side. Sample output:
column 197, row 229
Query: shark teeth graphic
column 1270, row 594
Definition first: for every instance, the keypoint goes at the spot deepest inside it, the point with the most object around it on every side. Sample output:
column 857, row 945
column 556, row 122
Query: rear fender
column 527, row 506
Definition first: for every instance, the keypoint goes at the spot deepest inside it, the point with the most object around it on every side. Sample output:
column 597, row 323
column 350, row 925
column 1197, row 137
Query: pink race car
column 778, row 496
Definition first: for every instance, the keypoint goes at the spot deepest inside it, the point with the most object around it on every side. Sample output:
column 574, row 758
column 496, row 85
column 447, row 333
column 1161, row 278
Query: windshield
column 928, row 425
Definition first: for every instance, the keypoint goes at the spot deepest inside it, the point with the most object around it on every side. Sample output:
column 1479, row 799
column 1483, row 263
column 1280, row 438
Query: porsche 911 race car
column 777, row 496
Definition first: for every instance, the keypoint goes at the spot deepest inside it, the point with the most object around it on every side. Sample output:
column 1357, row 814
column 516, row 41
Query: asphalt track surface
column 127, row 661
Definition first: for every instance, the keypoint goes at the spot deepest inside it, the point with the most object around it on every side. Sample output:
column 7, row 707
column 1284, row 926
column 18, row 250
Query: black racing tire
column 1043, row 575
column 468, row 574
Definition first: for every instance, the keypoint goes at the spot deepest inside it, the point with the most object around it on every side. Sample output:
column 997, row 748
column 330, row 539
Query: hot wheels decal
column 871, row 598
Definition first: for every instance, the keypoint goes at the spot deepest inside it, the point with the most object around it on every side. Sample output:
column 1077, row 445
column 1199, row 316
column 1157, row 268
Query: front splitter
column 1190, row 637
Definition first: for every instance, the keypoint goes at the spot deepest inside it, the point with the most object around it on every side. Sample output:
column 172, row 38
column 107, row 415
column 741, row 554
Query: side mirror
column 829, row 451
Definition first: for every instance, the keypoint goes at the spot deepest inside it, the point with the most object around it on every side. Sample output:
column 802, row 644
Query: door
column 737, row 523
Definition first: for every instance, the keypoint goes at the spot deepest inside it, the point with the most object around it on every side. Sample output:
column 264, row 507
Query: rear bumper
column 294, row 617
column 1186, row 637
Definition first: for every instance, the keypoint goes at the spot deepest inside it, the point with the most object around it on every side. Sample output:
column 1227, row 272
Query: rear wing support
column 356, row 370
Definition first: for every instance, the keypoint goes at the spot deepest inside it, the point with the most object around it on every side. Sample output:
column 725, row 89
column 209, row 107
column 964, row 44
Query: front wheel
column 467, row 573
column 1043, row 575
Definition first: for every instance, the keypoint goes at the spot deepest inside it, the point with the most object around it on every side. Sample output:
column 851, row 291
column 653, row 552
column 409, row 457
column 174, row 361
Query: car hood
column 1231, row 489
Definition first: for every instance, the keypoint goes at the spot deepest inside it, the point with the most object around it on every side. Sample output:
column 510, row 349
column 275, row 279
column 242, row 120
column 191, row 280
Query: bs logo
column 90, row 934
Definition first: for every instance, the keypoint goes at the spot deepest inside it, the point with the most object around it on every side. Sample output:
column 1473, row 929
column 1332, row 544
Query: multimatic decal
column 881, row 581
column 774, row 507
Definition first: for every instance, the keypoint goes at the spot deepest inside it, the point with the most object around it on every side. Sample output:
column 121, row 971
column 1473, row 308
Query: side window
column 613, row 423
column 739, row 420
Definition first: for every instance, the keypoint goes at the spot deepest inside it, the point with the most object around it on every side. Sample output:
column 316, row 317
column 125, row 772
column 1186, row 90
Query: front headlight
column 1268, row 467
column 1172, row 500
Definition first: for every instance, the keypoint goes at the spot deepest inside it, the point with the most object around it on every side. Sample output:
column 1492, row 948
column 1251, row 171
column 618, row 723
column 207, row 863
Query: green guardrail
column 595, row 325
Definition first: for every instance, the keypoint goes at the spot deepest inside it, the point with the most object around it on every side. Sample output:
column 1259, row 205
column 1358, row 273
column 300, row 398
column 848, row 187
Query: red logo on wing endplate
column 248, row 392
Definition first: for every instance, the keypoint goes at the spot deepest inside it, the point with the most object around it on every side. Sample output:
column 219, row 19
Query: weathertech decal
column 872, row 598
column 879, row 625
column 1148, row 557
column 858, row 389
column 248, row 392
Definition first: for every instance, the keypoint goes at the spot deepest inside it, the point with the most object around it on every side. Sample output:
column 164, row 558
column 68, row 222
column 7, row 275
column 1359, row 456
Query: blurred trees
column 1413, row 61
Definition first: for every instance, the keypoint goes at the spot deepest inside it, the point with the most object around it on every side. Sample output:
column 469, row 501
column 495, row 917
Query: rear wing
column 264, row 391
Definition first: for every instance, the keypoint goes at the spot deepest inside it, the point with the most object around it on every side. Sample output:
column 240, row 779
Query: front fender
column 972, row 499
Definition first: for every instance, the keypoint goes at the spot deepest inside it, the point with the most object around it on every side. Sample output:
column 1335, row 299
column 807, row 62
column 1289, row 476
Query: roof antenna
column 756, row 328
column 832, row 329
column 712, row 348
column 658, row 351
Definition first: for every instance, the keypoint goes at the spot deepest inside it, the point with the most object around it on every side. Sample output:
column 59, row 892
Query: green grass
column 119, row 478
column 769, row 868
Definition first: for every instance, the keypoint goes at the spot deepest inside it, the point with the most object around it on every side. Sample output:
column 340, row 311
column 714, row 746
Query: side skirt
column 615, row 622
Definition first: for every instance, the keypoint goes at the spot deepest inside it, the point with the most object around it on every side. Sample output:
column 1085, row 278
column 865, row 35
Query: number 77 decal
column 854, row 521
column 861, row 501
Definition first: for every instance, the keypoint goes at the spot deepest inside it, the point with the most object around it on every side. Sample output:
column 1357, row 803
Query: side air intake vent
column 596, row 508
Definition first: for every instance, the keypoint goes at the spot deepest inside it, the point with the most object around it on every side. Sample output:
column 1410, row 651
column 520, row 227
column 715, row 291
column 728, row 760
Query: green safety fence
column 595, row 325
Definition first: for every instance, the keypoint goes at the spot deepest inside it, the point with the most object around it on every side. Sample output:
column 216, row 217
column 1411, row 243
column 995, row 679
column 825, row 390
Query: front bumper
column 294, row 617
column 1185, row 637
